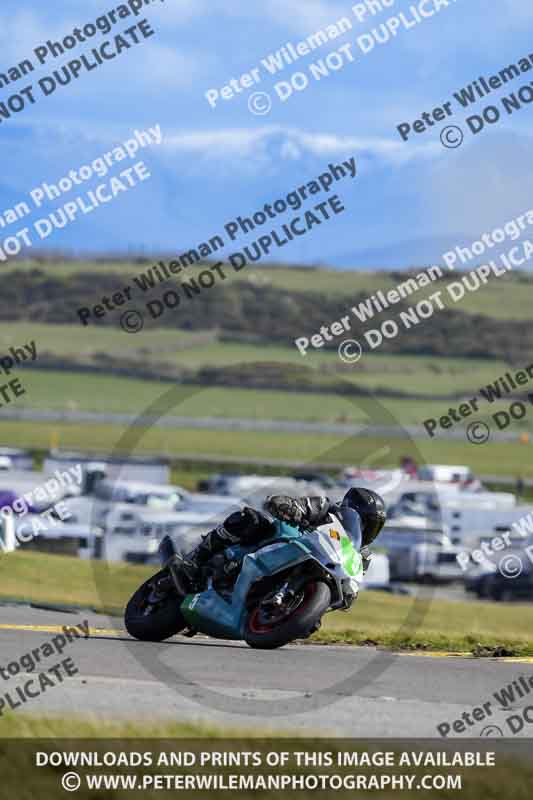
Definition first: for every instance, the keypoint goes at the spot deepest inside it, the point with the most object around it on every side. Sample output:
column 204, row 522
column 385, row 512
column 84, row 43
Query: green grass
column 398, row 622
column 24, row 726
column 286, row 278
column 501, row 458
column 26, row 575
column 408, row 622
column 74, row 341
column 69, row 391
column 412, row 374
column 416, row 374
column 188, row 478
column 501, row 298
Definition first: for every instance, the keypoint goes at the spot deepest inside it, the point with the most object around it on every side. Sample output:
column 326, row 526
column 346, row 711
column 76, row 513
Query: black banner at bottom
column 276, row 768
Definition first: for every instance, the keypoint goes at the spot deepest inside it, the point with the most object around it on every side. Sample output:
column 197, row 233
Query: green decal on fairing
column 189, row 603
column 190, row 600
column 351, row 560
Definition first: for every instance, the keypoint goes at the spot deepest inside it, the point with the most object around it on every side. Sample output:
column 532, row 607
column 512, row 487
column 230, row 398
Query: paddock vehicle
column 419, row 550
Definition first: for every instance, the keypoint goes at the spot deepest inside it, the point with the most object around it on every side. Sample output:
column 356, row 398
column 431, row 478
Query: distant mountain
column 421, row 252
column 196, row 188
column 412, row 253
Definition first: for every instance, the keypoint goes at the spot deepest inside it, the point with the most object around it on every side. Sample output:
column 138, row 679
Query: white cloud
column 21, row 32
column 25, row 29
column 166, row 66
column 485, row 184
column 217, row 144
column 276, row 142
column 156, row 65
column 300, row 16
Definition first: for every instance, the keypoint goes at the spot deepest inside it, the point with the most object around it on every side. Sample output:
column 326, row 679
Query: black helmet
column 370, row 507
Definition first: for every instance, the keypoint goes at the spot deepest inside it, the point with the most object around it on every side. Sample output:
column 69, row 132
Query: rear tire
column 153, row 623
column 303, row 621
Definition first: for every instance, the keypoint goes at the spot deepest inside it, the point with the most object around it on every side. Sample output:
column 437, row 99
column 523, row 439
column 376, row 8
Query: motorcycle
column 267, row 595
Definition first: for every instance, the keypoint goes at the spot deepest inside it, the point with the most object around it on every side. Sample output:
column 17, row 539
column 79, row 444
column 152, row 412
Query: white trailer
column 418, row 550
column 133, row 533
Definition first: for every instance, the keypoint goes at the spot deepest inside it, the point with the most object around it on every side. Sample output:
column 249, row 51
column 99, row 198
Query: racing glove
column 301, row 511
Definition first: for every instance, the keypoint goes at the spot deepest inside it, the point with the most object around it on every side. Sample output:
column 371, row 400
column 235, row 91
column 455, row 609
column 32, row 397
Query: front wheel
column 153, row 611
column 269, row 627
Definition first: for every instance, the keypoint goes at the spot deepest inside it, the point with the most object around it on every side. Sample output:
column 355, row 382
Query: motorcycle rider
column 250, row 527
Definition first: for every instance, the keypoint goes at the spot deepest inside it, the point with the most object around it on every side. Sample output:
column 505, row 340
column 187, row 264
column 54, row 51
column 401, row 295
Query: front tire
column 151, row 616
column 299, row 624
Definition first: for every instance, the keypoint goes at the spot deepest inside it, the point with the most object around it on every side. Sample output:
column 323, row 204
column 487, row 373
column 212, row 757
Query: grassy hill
column 237, row 447
column 233, row 355
column 176, row 349
column 71, row 391
column 503, row 298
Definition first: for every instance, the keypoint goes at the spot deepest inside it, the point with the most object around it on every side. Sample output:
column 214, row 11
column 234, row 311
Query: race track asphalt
column 308, row 689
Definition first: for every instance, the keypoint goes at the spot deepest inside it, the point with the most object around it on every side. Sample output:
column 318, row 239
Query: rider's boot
column 244, row 524
column 190, row 567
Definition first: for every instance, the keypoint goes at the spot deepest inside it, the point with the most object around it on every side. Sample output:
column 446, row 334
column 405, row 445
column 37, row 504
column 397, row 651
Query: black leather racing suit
column 251, row 527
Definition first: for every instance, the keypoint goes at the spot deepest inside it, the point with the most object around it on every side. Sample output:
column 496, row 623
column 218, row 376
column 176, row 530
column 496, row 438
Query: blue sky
column 408, row 198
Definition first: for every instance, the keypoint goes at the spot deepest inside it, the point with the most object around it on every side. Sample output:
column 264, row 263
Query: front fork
column 171, row 560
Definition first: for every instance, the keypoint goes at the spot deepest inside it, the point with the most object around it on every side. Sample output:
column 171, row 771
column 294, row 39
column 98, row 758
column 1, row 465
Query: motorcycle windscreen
column 351, row 522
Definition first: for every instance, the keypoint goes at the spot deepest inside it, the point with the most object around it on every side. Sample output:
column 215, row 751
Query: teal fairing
column 209, row 612
column 225, row 618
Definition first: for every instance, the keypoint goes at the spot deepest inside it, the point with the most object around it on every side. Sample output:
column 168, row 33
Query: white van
column 133, row 533
column 419, row 550
column 445, row 473
column 83, row 541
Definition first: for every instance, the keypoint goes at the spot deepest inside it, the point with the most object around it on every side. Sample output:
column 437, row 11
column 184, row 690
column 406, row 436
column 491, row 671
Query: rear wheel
column 270, row 626
column 153, row 612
